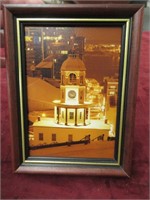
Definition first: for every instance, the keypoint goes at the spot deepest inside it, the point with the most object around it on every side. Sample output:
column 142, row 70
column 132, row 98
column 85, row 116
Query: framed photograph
column 72, row 72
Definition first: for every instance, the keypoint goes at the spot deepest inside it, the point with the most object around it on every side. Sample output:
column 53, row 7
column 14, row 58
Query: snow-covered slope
column 41, row 94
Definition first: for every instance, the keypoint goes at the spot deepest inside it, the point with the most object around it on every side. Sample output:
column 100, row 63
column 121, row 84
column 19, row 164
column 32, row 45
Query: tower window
column 40, row 136
column 72, row 77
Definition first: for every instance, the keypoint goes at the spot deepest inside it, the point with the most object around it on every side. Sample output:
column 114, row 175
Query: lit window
column 71, row 115
column 80, row 115
column 64, row 52
column 112, row 87
column 62, row 114
column 40, row 136
column 112, row 93
column 72, row 78
column 53, row 137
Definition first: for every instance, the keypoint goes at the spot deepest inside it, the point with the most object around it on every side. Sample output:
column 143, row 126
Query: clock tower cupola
column 73, row 80
column 72, row 109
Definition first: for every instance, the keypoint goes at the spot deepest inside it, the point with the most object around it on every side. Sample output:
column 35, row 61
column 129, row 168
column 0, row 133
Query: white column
column 55, row 113
column 89, row 111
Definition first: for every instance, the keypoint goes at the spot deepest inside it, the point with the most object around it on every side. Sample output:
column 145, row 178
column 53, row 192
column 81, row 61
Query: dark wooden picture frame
column 127, row 16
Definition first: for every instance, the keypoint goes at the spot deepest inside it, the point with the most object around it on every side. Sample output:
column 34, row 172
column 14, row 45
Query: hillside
column 41, row 94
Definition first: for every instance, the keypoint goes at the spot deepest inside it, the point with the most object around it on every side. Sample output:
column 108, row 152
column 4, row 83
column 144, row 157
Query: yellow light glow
column 60, row 37
column 43, row 115
column 28, row 38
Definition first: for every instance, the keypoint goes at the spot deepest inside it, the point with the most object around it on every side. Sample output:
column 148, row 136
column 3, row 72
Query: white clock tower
column 72, row 109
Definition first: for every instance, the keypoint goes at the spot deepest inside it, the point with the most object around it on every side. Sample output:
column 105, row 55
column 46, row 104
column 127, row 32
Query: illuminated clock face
column 72, row 94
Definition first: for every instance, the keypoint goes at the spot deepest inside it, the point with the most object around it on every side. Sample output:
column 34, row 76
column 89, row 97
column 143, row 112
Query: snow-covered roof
column 46, row 63
column 49, row 122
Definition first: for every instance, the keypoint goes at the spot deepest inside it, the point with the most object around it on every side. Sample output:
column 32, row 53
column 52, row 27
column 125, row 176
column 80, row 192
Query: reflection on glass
column 72, row 83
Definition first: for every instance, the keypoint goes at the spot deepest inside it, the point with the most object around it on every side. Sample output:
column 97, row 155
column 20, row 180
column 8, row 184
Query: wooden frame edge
column 126, row 170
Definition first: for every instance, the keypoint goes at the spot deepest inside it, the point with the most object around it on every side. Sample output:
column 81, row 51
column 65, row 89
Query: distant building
column 95, row 96
column 79, row 45
column 41, row 42
column 45, row 67
column 33, row 46
column 30, row 57
column 111, row 91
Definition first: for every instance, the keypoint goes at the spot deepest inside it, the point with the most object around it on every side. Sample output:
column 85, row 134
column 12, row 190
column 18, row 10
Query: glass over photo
column 72, row 78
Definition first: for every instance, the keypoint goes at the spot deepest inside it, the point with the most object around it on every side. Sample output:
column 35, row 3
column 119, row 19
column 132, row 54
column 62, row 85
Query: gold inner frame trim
column 18, row 21
column 69, row 162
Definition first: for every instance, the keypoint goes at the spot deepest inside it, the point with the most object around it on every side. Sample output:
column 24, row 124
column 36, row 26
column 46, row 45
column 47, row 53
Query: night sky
column 100, row 35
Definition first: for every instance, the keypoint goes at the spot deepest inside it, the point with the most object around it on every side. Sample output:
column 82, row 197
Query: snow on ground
column 35, row 114
column 96, row 149
column 49, row 122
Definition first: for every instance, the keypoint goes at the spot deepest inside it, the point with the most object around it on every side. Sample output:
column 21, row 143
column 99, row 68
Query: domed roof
column 73, row 63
